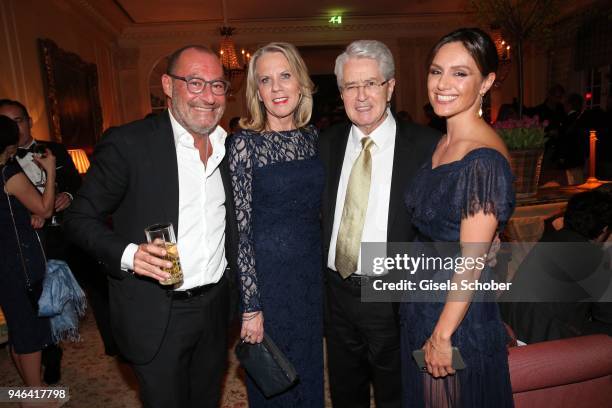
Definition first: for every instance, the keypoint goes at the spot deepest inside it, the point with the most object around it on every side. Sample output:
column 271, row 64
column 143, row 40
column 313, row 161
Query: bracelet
column 435, row 348
column 251, row 317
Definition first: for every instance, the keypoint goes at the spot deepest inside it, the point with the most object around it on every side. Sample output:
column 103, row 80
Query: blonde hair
column 256, row 118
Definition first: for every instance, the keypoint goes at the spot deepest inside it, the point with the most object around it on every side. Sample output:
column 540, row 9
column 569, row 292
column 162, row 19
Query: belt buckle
column 359, row 280
column 181, row 294
column 364, row 280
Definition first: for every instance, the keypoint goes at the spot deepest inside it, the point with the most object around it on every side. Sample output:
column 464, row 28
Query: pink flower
column 524, row 123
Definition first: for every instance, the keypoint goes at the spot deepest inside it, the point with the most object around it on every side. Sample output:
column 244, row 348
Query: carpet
column 97, row 380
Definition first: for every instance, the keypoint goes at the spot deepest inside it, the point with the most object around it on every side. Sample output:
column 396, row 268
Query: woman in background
column 28, row 333
column 463, row 194
column 277, row 182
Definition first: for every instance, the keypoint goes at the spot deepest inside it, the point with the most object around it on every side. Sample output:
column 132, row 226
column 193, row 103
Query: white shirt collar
column 28, row 145
column 380, row 135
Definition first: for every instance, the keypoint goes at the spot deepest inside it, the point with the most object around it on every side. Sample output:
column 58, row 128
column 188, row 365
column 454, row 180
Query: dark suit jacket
column 134, row 178
column 67, row 176
column 573, row 141
column 68, row 180
column 414, row 144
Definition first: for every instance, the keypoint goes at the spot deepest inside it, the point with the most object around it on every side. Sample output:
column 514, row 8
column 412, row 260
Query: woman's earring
column 480, row 109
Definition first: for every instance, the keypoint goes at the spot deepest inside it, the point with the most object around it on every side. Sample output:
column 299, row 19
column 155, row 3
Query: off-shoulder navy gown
column 277, row 183
column 439, row 199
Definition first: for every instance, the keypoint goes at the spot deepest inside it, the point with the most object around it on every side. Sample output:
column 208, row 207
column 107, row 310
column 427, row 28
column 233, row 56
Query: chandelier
column 503, row 55
column 234, row 67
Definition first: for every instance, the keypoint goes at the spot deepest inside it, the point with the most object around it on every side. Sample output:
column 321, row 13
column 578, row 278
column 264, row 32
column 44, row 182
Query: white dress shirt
column 377, row 214
column 33, row 171
column 201, row 229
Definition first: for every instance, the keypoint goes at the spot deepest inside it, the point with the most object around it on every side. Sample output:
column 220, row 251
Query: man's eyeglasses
column 195, row 85
column 369, row 87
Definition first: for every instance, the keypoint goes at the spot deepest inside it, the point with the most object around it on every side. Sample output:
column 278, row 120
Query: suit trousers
column 188, row 369
column 363, row 347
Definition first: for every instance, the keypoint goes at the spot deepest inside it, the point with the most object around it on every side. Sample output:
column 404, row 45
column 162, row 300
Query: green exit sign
column 336, row 20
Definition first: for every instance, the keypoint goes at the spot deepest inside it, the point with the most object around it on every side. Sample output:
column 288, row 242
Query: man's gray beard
column 199, row 130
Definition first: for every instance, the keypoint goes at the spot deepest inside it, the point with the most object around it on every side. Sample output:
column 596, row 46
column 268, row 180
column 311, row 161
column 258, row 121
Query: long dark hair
column 9, row 133
column 477, row 43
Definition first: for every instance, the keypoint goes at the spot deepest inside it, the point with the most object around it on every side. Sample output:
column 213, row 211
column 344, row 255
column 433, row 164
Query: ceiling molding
column 103, row 23
column 385, row 26
column 123, row 11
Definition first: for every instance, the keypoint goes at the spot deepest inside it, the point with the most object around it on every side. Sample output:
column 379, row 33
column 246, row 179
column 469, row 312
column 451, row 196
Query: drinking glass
column 163, row 235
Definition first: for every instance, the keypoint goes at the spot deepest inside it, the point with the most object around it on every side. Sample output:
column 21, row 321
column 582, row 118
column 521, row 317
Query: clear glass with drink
column 163, row 235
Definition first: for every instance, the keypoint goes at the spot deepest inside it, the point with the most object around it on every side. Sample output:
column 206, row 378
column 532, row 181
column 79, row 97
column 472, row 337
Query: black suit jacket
column 414, row 144
column 68, row 180
column 67, row 176
column 134, row 178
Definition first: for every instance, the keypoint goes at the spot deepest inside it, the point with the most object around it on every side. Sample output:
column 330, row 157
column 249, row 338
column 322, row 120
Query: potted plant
column 525, row 139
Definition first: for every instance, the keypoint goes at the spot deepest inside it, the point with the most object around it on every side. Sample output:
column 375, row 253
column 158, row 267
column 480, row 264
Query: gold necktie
column 354, row 211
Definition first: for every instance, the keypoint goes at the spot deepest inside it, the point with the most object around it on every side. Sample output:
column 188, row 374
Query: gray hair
column 373, row 49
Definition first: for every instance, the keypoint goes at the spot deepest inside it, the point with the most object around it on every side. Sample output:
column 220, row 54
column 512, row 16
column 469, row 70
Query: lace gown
column 277, row 182
column 438, row 199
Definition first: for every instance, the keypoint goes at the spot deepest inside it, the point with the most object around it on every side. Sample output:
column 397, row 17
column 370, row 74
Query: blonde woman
column 277, row 183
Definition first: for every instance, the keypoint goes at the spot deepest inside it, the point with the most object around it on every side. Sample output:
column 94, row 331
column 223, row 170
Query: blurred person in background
column 565, row 278
column 51, row 231
column 573, row 141
column 22, row 264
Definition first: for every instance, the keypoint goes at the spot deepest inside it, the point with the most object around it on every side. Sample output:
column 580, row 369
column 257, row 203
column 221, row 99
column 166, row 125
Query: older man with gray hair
column 369, row 162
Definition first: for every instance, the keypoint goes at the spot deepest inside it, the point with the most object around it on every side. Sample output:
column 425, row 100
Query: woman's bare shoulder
column 486, row 138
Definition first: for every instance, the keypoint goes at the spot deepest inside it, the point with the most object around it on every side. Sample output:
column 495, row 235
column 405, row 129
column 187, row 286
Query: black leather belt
column 189, row 293
column 353, row 280
column 358, row 280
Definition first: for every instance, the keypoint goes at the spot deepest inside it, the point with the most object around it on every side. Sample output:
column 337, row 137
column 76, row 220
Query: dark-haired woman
column 28, row 333
column 463, row 194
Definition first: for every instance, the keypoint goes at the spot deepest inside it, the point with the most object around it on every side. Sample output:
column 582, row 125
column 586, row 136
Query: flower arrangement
column 522, row 134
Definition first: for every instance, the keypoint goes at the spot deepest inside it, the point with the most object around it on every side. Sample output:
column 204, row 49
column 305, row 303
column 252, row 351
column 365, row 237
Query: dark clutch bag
column 267, row 366
column 34, row 290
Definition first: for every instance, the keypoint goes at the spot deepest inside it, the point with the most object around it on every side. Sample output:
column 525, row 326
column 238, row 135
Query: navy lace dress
column 438, row 199
column 27, row 332
column 277, row 182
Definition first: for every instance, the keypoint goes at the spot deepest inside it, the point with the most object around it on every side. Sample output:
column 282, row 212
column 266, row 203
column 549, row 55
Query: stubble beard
column 193, row 127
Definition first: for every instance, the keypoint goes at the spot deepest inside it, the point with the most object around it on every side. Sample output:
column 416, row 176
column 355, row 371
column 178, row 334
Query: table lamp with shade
column 80, row 160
